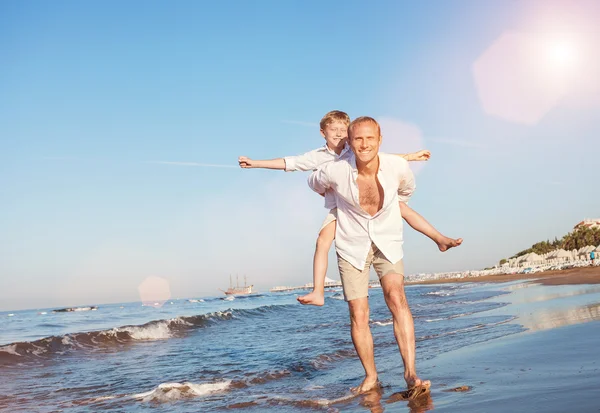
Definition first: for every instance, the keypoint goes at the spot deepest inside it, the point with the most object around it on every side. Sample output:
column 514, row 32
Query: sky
column 121, row 124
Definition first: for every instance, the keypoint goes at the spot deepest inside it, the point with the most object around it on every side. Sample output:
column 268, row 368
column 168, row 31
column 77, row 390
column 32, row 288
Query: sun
column 562, row 53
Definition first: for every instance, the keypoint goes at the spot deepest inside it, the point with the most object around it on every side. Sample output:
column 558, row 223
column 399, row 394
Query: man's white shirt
column 356, row 229
column 314, row 159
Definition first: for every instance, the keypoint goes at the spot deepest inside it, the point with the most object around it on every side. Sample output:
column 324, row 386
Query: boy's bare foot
column 446, row 243
column 368, row 384
column 313, row 298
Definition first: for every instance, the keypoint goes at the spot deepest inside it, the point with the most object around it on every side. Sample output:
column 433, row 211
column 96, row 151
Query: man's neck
column 368, row 169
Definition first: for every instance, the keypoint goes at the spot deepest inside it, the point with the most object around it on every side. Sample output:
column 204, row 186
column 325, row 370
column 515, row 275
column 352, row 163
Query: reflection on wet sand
column 546, row 319
column 372, row 401
column 542, row 293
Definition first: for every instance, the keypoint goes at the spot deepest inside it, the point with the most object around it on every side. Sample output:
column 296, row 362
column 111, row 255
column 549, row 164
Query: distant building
column 589, row 223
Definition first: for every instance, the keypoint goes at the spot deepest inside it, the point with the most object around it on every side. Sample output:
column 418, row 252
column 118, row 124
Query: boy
column 334, row 128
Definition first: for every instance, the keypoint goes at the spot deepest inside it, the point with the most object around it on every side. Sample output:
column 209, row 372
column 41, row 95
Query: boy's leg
column 418, row 223
column 326, row 237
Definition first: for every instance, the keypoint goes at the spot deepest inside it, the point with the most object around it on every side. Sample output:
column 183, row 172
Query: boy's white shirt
column 311, row 161
column 356, row 229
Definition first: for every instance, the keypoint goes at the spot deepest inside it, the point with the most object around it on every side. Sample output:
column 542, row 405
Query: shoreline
column 549, row 367
column 581, row 275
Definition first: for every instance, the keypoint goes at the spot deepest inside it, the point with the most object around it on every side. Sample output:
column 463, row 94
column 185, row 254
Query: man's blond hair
column 361, row 120
column 334, row 116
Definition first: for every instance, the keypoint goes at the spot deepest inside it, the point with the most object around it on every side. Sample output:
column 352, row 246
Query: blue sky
column 94, row 96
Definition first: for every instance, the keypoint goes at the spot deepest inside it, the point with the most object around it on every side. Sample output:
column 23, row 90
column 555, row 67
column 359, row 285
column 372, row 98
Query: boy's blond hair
column 334, row 116
column 363, row 119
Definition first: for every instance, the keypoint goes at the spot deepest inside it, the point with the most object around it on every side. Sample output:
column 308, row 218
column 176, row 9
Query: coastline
column 549, row 367
column 582, row 275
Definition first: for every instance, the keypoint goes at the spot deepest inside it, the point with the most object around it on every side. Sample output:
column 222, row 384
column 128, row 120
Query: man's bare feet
column 314, row 298
column 368, row 384
column 446, row 243
column 414, row 381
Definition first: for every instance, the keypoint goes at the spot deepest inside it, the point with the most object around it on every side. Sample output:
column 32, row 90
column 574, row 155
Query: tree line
column 581, row 237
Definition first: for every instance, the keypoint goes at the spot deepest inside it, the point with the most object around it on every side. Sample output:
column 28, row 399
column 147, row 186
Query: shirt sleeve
column 319, row 180
column 406, row 181
column 305, row 162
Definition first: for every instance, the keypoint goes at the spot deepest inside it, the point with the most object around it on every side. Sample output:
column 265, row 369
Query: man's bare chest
column 370, row 194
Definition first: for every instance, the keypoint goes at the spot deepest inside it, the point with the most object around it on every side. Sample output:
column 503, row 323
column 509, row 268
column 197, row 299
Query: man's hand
column 245, row 162
column 423, row 155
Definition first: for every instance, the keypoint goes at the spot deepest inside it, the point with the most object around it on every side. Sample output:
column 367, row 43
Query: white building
column 590, row 223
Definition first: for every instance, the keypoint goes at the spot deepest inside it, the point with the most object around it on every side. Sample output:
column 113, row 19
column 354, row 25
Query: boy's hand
column 245, row 162
column 423, row 155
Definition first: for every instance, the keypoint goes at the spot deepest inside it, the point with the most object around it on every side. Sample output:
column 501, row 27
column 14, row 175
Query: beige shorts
column 331, row 216
column 355, row 283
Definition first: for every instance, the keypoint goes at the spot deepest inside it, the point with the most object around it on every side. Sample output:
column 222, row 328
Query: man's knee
column 394, row 293
column 359, row 313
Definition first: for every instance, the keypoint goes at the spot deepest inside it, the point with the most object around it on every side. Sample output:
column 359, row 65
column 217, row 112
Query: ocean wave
column 383, row 323
column 154, row 330
column 171, row 391
column 441, row 293
column 466, row 329
column 165, row 392
column 448, row 318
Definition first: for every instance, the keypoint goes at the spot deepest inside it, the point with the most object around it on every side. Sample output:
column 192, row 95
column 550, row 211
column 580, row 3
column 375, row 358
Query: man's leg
column 418, row 223
column 363, row 342
column 356, row 292
column 326, row 237
column 392, row 283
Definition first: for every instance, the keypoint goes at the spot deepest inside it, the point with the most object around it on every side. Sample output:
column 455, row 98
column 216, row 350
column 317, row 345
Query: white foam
column 83, row 309
column 11, row 315
column 10, row 349
column 441, row 293
column 158, row 331
column 174, row 391
column 102, row 398
column 229, row 298
column 383, row 323
column 66, row 341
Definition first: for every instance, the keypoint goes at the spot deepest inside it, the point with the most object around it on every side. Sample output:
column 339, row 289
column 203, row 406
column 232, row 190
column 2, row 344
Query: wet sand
column 584, row 275
column 554, row 366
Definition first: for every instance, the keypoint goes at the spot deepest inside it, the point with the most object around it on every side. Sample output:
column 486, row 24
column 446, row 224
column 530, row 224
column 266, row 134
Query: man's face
column 335, row 134
column 365, row 141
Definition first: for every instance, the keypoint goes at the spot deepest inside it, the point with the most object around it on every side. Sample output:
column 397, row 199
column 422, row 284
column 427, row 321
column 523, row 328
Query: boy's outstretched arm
column 305, row 162
column 422, row 155
column 246, row 162
column 418, row 223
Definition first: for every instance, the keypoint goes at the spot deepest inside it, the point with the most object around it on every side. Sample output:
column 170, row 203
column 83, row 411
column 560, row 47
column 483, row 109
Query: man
column 368, row 187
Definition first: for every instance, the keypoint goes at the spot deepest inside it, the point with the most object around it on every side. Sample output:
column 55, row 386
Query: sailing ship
column 237, row 290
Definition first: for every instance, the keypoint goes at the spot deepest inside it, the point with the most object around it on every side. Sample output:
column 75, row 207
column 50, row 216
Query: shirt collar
column 345, row 149
column 352, row 162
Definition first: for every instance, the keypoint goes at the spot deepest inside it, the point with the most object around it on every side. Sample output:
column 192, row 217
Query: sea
column 256, row 353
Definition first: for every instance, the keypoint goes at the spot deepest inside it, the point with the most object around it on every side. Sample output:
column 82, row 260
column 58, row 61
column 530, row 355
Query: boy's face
column 335, row 134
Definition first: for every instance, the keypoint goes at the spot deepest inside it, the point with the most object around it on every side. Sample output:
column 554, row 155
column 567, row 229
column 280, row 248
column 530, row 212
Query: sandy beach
column 584, row 275
column 554, row 366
